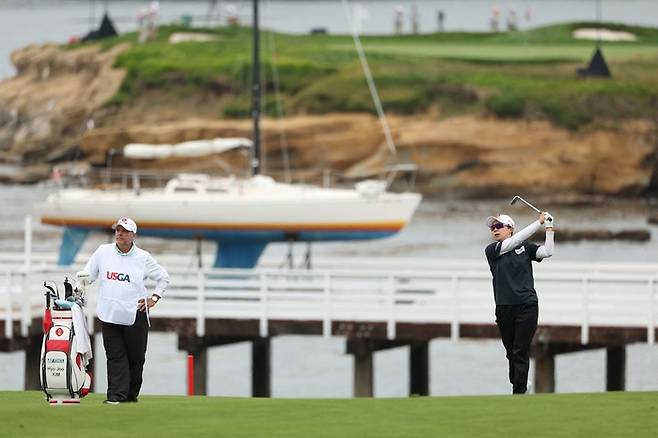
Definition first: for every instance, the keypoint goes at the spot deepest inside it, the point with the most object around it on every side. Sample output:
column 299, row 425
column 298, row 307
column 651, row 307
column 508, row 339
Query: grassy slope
column 25, row 414
column 510, row 74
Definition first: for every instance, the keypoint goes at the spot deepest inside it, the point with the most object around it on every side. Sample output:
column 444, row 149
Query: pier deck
column 374, row 304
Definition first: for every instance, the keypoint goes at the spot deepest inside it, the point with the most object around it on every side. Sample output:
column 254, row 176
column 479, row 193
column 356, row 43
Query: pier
column 374, row 304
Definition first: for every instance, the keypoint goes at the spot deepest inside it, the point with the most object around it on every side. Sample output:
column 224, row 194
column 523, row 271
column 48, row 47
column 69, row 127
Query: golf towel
column 81, row 341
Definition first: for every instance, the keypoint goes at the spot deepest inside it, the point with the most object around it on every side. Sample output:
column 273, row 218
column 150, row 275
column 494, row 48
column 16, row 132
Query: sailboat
column 242, row 215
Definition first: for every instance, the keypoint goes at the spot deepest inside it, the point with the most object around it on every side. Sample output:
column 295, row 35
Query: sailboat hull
column 254, row 217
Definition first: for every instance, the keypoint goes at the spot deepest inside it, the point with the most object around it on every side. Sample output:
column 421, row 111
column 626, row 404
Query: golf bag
column 66, row 348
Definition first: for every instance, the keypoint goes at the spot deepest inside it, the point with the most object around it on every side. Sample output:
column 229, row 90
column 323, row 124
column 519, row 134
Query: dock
column 375, row 304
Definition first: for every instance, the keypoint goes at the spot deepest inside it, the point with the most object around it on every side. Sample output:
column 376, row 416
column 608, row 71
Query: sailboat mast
column 255, row 94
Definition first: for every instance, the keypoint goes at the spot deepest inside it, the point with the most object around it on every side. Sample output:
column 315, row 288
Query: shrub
column 506, row 105
column 562, row 114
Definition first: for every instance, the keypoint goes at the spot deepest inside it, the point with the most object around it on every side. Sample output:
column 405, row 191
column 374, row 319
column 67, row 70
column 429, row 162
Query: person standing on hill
column 123, row 305
column 510, row 259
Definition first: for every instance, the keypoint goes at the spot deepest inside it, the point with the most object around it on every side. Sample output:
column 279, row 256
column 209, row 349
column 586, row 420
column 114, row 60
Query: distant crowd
column 495, row 21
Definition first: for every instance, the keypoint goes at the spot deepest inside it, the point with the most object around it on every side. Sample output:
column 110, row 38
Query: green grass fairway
column 26, row 414
column 506, row 52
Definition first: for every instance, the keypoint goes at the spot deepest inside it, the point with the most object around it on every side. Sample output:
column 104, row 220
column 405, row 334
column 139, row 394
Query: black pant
column 517, row 324
column 125, row 348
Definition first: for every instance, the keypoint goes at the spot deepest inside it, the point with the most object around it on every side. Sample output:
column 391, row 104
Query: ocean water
column 312, row 366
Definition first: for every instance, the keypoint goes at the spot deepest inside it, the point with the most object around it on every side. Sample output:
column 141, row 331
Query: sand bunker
column 181, row 37
column 603, row 35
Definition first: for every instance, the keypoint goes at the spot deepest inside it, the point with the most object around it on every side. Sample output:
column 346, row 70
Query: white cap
column 126, row 223
column 502, row 218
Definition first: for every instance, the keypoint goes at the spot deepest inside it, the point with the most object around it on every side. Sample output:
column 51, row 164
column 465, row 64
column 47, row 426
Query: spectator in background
column 440, row 19
column 494, row 23
column 512, row 21
column 398, row 19
column 413, row 17
column 232, row 15
column 147, row 22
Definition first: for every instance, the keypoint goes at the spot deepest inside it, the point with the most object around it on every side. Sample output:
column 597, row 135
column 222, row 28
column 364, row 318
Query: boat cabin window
column 184, row 189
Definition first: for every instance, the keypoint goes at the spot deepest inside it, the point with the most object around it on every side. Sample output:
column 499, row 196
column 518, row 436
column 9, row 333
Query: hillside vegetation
column 527, row 74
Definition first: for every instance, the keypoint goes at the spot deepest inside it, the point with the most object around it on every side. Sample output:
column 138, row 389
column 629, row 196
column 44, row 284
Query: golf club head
column 516, row 198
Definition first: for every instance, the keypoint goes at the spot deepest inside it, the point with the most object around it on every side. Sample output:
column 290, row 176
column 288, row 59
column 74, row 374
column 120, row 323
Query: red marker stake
column 190, row 374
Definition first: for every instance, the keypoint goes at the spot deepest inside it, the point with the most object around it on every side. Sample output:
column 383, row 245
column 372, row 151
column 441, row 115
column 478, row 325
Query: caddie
column 123, row 306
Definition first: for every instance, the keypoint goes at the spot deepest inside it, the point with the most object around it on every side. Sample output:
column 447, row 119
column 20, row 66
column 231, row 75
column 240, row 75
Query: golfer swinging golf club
column 510, row 259
column 123, row 304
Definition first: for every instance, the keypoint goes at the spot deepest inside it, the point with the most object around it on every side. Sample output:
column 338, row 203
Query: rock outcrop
column 311, row 143
column 484, row 157
column 49, row 103
column 56, row 104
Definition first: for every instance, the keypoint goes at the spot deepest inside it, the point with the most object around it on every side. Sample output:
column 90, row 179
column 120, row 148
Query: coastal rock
column 48, row 104
column 27, row 175
column 54, row 110
column 312, row 143
column 475, row 156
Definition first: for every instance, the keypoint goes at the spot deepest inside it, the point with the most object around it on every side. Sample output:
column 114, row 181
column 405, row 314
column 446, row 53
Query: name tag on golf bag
column 56, row 367
column 65, row 353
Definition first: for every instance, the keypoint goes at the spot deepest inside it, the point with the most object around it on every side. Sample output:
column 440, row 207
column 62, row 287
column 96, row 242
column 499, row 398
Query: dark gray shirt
column 513, row 282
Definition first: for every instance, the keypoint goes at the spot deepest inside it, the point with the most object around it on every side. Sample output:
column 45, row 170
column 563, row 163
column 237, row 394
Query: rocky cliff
column 55, row 109
column 50, row 103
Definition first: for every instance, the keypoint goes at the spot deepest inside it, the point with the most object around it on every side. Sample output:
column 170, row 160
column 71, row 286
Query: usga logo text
column 118, row 276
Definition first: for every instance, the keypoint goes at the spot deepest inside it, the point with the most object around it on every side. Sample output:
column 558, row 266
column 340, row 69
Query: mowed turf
column 629, row 414
column 564, row 52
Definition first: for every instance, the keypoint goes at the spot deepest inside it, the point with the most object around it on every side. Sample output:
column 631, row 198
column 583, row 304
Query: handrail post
column 25, row 307
column 651, row 327
column 454, row 324
column 9, row 323
column 263, row 329
column 201, row 298
column 28, row 244
column 25, row 295
column 326, row 321
column 390, row 325
column 584, row 328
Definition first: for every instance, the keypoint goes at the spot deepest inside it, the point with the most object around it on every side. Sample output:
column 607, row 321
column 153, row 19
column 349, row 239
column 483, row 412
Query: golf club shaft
column 530, row 205
column 526, row 203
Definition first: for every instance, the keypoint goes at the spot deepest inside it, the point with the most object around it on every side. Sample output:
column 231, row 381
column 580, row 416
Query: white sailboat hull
column 275, row 208
column 242, row 216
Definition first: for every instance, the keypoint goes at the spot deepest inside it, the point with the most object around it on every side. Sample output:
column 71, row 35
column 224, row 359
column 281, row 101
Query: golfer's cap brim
column 492, row 220
column 502, row 218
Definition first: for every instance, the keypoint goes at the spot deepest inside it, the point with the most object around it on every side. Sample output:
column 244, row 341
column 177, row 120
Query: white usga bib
column 121, row 286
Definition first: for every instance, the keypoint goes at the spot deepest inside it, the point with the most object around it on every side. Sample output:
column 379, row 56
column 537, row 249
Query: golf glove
column 549, row 222
column 83, row 277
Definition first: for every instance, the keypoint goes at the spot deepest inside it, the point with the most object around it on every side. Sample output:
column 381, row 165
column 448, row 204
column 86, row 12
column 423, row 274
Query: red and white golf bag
column 66, row 348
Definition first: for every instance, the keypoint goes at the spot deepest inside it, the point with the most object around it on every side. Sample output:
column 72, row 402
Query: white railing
column 447, row 296
column 388, row 290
